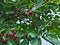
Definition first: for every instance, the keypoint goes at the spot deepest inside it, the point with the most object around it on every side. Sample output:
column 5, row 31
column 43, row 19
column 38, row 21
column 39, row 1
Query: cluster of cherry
column 12, row 36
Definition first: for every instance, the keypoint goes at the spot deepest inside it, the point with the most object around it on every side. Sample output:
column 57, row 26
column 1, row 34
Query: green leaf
column 1, row 1
column 58, row 1
column 1, row 21
column 17, row 27
column 52, row 40
column 9, row 43
column 1, row 31
column 33, row 35
column 38, row 5
column 25, row 42
column 36, row 41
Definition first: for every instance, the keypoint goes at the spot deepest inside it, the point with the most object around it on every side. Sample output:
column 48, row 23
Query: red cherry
column 5, row 41
column 19, row 17
column 6, row 34
column 30, row 12
column 12, row 35
column 25, row 14
column 18, row 11
column 15, row 38
column 14, row 32
column 1, row 35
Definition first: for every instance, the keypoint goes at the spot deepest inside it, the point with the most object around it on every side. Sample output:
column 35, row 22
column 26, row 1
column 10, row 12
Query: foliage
column 26, row 21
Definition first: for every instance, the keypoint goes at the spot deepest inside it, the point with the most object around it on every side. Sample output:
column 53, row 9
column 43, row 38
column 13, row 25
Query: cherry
column 1, row 35
column 6, row 34
column 25, row 14
column 30, row 12
column 5, row 41
column 15, row 38
column 14, row 32
column 18, row 11
column 12, row 35
column 19, row 17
